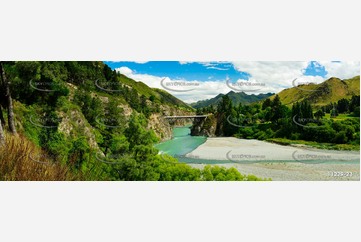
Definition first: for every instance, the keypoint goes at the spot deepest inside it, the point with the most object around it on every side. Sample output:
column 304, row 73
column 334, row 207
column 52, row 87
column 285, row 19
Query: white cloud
column 342, row 70
column 124, row 70
column 279, row 74
column 276, row 75
column 204, row 90
column 217, row 68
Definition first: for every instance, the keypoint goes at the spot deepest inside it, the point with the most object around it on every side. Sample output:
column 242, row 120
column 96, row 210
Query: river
column 183, row 143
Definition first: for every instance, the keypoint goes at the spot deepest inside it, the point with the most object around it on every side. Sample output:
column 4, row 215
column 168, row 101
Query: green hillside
column 321, row 94
column 84, row 121
column 158, row 94
column 235, row 97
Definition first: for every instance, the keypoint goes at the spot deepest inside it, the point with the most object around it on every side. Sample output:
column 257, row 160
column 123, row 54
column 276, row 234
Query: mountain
column 236, row 97
column 321, row 94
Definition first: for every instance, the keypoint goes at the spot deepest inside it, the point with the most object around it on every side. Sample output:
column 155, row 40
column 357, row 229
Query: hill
column 236, row 98
column 158, row 94
column 321, row 94
column 83, row 121
column 75, row 112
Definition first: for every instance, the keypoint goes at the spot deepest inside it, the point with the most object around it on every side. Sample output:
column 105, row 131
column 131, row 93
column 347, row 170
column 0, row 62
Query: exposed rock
column 204, row 126
column 163, row 127
column 74, row 123
column 127, row 110
column 160, row 126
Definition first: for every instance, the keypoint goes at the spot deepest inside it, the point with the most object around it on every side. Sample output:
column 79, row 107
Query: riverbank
column 278, row 162
column 233, row 149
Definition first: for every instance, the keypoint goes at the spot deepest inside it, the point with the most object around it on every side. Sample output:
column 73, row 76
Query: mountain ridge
column 236, row 98
column 330, row 90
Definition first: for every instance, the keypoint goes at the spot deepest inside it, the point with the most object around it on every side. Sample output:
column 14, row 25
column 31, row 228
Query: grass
column 341, row 116
column 339, row 89
column 158, row 93
column 22, row 160
column 327, row 146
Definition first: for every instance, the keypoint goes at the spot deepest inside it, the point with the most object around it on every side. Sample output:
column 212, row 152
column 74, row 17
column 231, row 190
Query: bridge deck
column 190, row 116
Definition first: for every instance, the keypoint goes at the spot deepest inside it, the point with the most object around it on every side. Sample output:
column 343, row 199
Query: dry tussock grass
column 21, row 160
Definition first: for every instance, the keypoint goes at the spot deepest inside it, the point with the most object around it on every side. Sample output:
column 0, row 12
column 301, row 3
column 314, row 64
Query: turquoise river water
column 182, row 143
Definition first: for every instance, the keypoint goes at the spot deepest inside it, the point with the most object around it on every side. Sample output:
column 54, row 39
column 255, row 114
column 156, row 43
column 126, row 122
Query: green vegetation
column 343, row 108
column 336, row 128
column 209, row 173
column 327, row 146
column 71, row 117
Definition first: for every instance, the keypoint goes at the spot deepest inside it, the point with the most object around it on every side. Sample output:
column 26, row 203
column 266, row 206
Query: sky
column 194, row 81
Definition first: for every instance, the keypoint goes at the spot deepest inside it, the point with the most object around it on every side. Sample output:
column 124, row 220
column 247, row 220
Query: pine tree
column 266, row 104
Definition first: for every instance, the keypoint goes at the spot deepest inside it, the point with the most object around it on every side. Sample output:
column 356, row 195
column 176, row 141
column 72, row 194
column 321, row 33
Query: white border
column 188, row 31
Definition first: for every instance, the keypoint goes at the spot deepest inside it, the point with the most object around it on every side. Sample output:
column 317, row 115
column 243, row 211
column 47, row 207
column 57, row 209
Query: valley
column 87, row 121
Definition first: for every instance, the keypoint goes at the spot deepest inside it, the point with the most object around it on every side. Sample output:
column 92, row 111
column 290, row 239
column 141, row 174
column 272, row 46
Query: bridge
column 195, row 118
column 186, row 116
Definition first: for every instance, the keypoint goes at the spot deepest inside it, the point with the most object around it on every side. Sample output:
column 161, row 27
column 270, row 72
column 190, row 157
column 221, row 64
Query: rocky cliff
column 205, row 126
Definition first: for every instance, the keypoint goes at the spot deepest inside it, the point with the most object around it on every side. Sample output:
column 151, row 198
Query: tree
column 356, row 111
column 152, row 98
column 133, row 100
column 354, row 103
column 302, row 111
column 306, row 110
column 199, row 111
column 6, row 85
column 319, row 114
column 278, row 110
column 143, row 105
column 2, row 120
column 224, row 105
column 296, row 110
column 343, row 105
column 2, row 135
column 266, row 104
column 119, row 144
column 333, row 113
column 136, row 132
column 276, row 102
column 80, row 152
column 340, row 137
column 111, row 123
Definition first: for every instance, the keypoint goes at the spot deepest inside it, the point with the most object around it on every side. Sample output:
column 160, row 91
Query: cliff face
column 205, row 127
column 156, row 122
column 163, row 127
